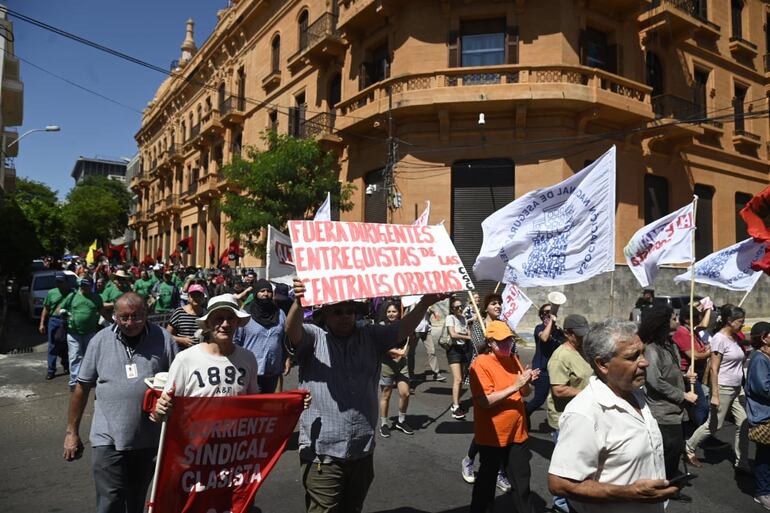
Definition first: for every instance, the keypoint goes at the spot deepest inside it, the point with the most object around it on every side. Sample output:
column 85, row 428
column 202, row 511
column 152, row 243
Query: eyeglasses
column 127, row 318
column 456, row 307
column 343, row 311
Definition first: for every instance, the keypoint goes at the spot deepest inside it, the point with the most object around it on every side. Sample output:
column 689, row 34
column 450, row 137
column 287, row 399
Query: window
column 483, row 43
column 297, row 117
column 273, row 120
column 704, row 221
column 741, row 199
column 736, row 15
column 738, row 113
column 655, row 198
column 302, row 23
column 700, row 83
column 654, row 74
column 376, row 68
column 221, row 96
column 241, row 89
column 275, row 54
column 596, row 52
column 335, row 90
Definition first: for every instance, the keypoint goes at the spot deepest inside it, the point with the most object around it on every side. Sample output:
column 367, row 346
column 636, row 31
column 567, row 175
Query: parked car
column 32, row 295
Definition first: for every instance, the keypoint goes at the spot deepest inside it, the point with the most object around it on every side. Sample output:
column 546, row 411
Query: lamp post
column 49, row 128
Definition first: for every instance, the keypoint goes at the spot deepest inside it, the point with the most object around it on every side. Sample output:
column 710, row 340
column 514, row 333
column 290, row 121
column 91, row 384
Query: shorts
column 456, row 354
column 393, row 372
column 393, row 379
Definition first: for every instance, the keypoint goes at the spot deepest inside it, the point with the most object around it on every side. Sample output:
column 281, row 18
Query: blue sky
column 150, row 30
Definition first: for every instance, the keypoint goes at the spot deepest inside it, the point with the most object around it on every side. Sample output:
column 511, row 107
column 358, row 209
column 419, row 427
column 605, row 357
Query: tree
column 96, row 208
column 41, row 208
column 18, row 240
column 287, row 181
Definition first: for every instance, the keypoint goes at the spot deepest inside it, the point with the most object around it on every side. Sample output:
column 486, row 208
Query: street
column 414, row 474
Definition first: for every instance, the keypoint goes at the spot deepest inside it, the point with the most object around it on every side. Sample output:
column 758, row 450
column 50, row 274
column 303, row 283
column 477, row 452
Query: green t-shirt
column 111, row 293
column 165, row 301
column 52, row 299
column 566, row 367
column 143, row 287
column 248, row 300
column 84, row 313
column 154, row 279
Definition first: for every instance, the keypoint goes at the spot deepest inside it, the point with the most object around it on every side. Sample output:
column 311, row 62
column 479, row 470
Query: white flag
column 665, row 241
column 557, row 235
column 729, row 268
column 423, row 219
column 324, row 212
column 280, row 258
column 515, row 305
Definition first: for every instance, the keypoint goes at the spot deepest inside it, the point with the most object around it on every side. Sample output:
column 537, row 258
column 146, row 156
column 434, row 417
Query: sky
column 150, row 30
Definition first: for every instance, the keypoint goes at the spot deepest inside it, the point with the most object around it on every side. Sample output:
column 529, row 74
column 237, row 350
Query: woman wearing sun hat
column 499, row 383
column 216, row 367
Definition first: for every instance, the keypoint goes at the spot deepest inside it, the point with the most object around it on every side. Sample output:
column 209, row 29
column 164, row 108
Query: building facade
column 97, row 166
column 477, row 101
column 11, row 104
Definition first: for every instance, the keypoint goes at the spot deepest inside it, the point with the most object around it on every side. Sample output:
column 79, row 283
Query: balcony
column 362, row 15
column 675, row 112
column 739, row 47
column 12, row 101
column 211, row 124
column 192, row 189
column 144, row 178
column 320, row 43
column 233, row 110
column 153, row 168
column 676, row 19
column 164, row 162
column 490, row 88
column 172, row 204
column 745, row 139
column 320, row 126
column 272, row 80
column 174, row 155
column 207, row 187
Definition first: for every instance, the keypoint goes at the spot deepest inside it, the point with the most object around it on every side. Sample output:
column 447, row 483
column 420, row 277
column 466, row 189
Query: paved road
column 414, row 474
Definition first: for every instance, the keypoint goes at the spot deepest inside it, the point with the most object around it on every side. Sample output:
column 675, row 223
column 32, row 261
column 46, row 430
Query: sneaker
column 467, row 470
column 404, row 428
column 744, row 468
column 384, row 431
column 49, row 376
column 502, row 483
column 458, row 412
column 439, row 377
column 763, row 500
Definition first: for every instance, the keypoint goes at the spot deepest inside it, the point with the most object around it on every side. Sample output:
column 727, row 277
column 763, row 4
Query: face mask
column 504, row 348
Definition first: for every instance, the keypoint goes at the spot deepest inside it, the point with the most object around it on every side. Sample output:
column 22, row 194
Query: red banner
column 219, row 450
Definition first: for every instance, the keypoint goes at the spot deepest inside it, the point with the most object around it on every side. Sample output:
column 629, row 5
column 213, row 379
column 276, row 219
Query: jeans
column 542, row 386
column 762, row 470
column 122, row 478
column 515, row 459
column 673, row 447
column 337, row 486
column 76, row 345
column 700, row 411
column 559, row 502
column 267, row 384
column 430, row 350
column 53, row 323
column 730, row 399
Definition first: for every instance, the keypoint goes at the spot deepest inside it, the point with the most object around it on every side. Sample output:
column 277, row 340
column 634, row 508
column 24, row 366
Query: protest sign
column 344, row 261
column 515, row 305
column 219, row 450
column 556, row 235
column 280, row 261
column 729, row 268
column 423, row 219
column 665, row 241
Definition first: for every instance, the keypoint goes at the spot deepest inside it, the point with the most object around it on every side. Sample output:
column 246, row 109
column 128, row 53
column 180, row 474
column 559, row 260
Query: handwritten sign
column 515, row 305
column 345, row 261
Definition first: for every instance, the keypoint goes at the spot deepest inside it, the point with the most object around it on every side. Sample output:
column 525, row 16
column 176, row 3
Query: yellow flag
column 90, row 254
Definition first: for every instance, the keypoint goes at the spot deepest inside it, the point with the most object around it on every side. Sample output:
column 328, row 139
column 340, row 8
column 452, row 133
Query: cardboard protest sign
column 280, row 261
column 344, row 261
column 219, row 450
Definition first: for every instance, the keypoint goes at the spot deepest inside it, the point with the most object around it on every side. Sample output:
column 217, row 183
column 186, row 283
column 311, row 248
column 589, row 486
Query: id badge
column 131, row 371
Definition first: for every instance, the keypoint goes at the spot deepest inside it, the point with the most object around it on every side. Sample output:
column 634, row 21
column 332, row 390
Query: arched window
column 303, row 23
column 275, row 54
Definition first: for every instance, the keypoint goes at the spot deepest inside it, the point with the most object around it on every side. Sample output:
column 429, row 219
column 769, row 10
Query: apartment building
column 11, row 104
column 477, row 101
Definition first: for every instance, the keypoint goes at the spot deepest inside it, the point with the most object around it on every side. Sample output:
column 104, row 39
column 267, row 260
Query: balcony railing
column 232, row 104
column 677, row 17
column 192, row 188
column 748, row 135
column 324, row 28
column 735, row 39
column 694, row 8
column 319, row 124
column 671, row 106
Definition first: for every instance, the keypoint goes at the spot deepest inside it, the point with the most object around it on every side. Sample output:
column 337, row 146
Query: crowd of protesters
column 627, row 408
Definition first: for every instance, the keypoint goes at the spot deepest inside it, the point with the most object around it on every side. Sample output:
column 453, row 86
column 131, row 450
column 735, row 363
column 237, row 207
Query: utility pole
column 389, row 174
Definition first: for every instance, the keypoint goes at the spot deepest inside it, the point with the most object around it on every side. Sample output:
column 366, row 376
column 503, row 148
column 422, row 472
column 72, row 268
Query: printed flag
column 557, row 235
column 729, row 268
column 423, row 219
column 665, row 241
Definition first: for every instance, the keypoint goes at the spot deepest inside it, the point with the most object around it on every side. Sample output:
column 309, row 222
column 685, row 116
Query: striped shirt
column 183, row 323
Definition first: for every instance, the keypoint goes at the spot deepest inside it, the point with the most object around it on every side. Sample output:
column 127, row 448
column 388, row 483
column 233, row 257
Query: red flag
column 755, row 214
column 212, row 252
column 219, row 450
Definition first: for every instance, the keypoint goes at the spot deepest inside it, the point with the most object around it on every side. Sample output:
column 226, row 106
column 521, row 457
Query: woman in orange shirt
column 498, row 384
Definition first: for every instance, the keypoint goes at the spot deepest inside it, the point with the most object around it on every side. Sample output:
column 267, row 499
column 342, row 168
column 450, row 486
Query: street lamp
column 49, row 128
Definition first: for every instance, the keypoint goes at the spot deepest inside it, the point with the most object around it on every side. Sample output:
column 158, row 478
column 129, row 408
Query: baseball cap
column 499, row 331
column 577, row 324
column 196, row 288
column 759, row 328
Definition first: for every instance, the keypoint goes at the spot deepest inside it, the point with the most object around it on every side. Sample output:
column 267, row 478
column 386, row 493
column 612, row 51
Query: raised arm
column 296, row 316
column 412, row 319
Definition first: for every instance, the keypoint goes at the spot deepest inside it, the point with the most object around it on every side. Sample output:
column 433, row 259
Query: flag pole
column 478, row 313
column 745, row 296
column 692, row 293
column 156, row 474
column 496, row 288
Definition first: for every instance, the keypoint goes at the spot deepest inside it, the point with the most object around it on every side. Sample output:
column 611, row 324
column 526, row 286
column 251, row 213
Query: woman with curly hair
column 727, row 359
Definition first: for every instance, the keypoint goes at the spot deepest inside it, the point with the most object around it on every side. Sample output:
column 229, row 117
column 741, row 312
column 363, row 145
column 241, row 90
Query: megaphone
column 556, row 299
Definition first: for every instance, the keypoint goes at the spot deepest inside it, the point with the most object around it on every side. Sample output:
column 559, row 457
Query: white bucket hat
column 224, row 301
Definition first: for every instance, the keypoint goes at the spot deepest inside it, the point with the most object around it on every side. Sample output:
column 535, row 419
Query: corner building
column 679, row 86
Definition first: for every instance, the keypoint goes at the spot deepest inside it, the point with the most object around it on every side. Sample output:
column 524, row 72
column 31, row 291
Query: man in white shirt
column 609, row 456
